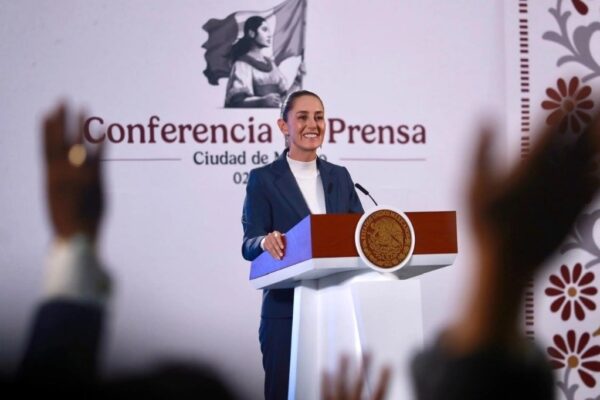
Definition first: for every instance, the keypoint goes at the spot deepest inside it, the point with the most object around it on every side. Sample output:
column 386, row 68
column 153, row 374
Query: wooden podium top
column 327, row 236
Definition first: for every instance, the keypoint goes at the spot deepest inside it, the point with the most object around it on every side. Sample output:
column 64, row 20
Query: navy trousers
column 275, row 336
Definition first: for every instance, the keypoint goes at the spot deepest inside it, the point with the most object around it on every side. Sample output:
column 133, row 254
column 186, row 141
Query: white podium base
column 351, row 314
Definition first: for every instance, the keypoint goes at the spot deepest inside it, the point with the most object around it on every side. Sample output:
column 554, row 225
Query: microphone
column 362, row 189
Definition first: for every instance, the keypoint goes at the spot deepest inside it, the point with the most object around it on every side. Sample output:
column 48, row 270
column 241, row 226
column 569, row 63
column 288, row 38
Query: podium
column 342, row 306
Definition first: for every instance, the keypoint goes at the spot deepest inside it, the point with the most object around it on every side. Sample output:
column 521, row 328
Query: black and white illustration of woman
column 255, row 80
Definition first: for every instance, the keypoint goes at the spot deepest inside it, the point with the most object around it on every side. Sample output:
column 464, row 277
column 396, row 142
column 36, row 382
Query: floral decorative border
column 582, row 238
column 575, row 354
column 576, row 44
column 572, row 287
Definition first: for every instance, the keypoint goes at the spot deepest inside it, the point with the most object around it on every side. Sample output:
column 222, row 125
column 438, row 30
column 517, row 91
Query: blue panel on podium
column 298, row 249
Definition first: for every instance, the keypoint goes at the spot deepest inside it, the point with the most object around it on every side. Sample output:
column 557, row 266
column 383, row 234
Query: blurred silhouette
column 341, row 389
column 518, row 219
column 65, row 341
column 67, row 329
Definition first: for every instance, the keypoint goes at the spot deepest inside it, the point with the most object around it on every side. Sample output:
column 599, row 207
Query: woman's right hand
column 275, row 244
column 271, row 100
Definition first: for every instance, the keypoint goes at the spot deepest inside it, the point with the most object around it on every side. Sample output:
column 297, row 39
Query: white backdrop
column 172, row 232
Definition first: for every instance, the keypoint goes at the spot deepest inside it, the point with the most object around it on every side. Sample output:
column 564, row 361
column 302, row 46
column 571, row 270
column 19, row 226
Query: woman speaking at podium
column 278, row 196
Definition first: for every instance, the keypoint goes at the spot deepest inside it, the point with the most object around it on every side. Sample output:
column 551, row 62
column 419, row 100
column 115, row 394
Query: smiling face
column 262, row 36
column 305, row 127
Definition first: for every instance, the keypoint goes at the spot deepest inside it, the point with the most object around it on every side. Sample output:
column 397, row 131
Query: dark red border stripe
column 525, row 117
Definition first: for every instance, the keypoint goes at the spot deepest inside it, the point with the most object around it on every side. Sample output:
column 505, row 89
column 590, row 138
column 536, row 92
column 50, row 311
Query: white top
column 309, row 180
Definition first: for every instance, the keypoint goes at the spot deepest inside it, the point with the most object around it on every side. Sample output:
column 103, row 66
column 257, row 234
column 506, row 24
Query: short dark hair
column 291, row 98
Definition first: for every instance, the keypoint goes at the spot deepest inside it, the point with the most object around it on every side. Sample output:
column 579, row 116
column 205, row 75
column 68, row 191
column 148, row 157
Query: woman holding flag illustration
column 255, row 81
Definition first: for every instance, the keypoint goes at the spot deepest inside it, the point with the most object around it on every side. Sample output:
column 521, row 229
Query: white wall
column 172, row 232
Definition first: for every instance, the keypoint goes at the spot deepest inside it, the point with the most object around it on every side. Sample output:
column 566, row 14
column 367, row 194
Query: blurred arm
column 66, row 332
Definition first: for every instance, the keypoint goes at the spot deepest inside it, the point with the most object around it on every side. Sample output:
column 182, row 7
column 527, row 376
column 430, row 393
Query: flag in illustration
column 287, row 21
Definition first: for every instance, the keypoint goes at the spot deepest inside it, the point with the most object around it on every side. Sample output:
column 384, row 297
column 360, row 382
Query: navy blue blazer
column 274, row 202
